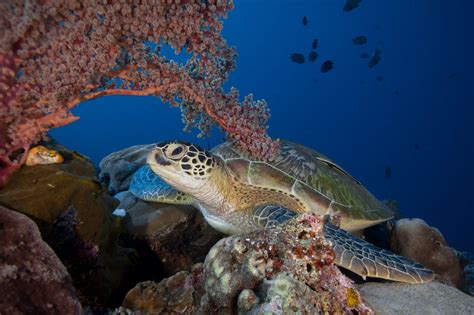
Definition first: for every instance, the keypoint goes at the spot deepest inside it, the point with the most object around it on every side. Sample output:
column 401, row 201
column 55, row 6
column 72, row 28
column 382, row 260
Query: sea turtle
column 238, row 194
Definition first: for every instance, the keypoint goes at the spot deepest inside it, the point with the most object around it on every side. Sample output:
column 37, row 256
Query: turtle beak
column 157, row 157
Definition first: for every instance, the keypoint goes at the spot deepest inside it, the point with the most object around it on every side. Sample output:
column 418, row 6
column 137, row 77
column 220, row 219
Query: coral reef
column 33, row 279
column 416, row 240
column 285, row 270
column 74, row 214
column 56, row 54
column 44, row 192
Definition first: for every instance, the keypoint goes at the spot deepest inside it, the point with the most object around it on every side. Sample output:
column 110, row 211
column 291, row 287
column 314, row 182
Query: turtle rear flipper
column 148, row 186
column 367, row 260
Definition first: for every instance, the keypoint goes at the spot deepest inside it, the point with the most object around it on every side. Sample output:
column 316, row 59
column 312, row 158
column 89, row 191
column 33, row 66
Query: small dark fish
column 452, row 75
column 359, row 40
column 375, row 59
column 298, row 58
column 388, row 172
column 364, row 55
column 416, row 147
column 326, row 66
column 305, row 21
column 312, row 56
column 396, row 92
column 379, row 78
column 351, row 5
column 315, row 43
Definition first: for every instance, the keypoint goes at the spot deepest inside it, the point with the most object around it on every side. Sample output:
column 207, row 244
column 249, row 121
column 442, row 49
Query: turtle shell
column 317, row 182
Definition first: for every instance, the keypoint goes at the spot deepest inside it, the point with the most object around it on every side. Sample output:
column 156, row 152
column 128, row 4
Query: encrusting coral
column 55, row 54
column 285, row 270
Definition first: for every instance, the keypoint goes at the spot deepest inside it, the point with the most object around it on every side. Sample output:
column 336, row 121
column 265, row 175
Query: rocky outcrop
column 178, row 294
column 32, row 278
column 430, row 298
column 117, row 168
column 74, row 214
column 44, row 192
column 415, row 239
column 284, row 270
column 178, row 235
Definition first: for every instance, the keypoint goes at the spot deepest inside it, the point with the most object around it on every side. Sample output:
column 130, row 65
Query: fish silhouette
column 305, row 21
column 375, row 59
column 297, row 58
column 312, row 56
column 327, row 66
column 315, row 43
column 388, row 172
column 359, row 40
column 351, row 5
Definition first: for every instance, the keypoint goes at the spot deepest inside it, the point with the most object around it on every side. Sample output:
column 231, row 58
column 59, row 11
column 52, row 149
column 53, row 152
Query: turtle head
column 182, row 165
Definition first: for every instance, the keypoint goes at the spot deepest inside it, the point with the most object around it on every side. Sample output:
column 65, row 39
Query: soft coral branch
column 56, row 54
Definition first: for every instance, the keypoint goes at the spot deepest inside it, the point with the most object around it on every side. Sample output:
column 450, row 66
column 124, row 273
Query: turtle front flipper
column 269, row 215
column 367, row 260
column 148, row 186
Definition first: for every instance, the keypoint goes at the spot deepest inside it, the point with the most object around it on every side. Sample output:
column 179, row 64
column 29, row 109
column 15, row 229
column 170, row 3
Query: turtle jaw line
column 177, row 180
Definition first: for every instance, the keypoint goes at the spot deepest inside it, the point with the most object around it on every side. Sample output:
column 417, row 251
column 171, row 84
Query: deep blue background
column 346, row 113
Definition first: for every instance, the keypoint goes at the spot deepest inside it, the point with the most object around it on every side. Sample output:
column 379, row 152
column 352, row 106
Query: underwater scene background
column 403, row 128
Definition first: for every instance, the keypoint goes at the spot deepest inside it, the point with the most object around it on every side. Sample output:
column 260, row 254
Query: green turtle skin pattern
column 148, row 186
column 365, row 259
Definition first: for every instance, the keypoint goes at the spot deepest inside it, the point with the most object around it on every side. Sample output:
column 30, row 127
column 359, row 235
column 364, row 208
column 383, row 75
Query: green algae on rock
column 74, row 213
column 44, row 192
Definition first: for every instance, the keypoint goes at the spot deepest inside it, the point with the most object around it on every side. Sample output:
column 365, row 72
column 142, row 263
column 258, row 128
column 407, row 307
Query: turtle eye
column 175, row 151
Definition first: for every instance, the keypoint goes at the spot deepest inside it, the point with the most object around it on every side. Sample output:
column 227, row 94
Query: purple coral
column 55, row 54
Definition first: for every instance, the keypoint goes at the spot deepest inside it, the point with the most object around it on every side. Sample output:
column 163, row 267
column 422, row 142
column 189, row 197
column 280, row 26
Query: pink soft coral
column 58, row 53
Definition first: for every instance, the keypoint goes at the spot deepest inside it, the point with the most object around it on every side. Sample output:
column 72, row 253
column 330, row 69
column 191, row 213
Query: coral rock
column 290, row 266
column 416, row 240
column 74, row 214
column 285, row 270
column 44, row 192
column 179, row 294
column 117, row 168
column 179, row 235
column 33, row 280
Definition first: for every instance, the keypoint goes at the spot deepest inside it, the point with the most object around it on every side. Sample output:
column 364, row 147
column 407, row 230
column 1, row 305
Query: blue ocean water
column 416, row 123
